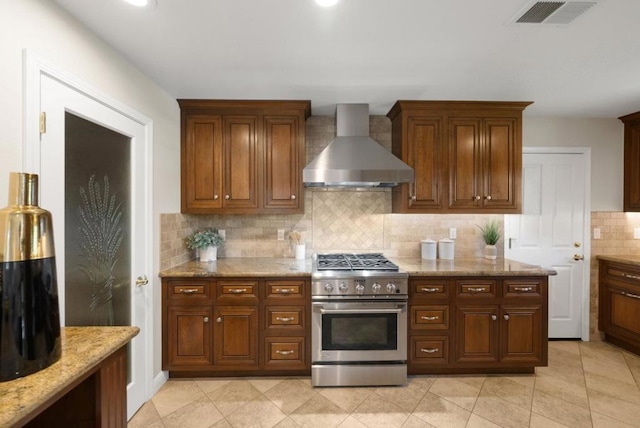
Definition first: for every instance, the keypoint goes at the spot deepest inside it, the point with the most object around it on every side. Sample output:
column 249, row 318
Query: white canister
column 300, row 251
column 428, row 247
column 446, row 249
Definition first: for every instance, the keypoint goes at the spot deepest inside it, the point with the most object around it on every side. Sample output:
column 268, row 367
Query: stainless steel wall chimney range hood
column 353, row 159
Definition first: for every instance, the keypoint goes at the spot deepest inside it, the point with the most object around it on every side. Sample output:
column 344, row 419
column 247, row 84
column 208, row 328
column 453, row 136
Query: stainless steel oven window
column 355, row 332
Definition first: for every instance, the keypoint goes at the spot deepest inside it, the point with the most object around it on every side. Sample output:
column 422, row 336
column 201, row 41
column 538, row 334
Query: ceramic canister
column 446, row 249
column 428, row 247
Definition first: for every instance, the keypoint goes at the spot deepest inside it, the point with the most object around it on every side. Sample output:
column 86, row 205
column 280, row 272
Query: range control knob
column 328, row 288
column 343, row 288
column 375, row 288
column 360, row 289
column 391, row 288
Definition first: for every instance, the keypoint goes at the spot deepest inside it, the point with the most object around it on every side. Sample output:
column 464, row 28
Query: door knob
column 141, row 280
column 578, row 257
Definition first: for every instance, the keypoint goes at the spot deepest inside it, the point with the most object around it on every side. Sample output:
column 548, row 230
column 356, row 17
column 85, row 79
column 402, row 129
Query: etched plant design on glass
column 100, row 226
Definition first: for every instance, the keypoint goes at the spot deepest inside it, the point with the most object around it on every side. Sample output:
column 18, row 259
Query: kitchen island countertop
column 83, row 349
column 626, row 259
column 289, row 267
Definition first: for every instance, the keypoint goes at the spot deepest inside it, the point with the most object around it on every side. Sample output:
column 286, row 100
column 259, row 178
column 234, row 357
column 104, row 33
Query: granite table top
column 626, row 259
column 289, row 267
column 83, row 348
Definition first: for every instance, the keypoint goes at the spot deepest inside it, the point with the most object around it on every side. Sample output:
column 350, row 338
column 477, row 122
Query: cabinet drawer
column 285, row 289
column 430, row 317
column 286, row 318
column 188, row 290
column 237, row 290
column 476, row 288
column 438, row 289
column 621, row 273
column 285, row 353
column 430, row 349
column 521, row 288
column 625, row 307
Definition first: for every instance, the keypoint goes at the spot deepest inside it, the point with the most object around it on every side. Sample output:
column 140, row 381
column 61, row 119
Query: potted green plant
column 491, row 236
column 206, row 242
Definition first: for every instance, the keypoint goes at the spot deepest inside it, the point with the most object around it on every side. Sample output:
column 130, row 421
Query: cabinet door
column 477, row 334
column 283, row 163
column 465, row 163
column 188, row 337
column 425, row 156
column 632, row 164
column 202, row 163
column 236, row 336
column 240, row 161
column 521, row 334
column 621, row 308
column 501, row 165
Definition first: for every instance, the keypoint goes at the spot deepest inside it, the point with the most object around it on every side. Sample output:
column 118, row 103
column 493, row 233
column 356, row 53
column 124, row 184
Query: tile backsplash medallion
column 334, row 219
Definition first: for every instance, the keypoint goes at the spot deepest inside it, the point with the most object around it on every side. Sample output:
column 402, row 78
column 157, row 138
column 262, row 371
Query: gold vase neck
column 23, row 189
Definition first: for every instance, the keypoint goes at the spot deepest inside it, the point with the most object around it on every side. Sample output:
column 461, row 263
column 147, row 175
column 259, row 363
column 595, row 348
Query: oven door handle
column 361, row 311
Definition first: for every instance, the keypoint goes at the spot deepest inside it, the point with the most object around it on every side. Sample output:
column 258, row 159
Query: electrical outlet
column 596, row 233
column 453, row 233
column 223, row 234
column 280, row 234
column 636, row 233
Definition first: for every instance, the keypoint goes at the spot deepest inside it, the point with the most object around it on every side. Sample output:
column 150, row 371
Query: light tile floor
column 587, row 384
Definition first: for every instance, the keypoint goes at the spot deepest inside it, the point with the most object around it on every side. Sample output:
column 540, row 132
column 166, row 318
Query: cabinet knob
column 219, row 320
column 413, row 198
column 205, row 319
column 477, row 197
column 293, row 197
column 494, row 317
column 216, row 197
column 488, row 197
column 227, row 197
column 506, row 317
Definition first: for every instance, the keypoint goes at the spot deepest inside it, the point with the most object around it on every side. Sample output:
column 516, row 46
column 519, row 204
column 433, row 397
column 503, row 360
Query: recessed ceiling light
column 141, row 3
column 327, row 3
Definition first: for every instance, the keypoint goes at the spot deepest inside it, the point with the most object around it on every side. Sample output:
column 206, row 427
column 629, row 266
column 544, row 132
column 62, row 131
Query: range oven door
column 360, row 331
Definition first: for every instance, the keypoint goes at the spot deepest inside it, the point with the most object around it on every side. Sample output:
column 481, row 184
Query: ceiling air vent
column 553, row 12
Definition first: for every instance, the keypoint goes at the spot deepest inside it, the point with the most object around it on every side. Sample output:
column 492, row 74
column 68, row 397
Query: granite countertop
column 271, row 267
column 83, row 348
column 627, row 259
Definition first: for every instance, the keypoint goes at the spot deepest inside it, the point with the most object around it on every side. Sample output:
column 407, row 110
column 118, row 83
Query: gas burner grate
column 360, row 262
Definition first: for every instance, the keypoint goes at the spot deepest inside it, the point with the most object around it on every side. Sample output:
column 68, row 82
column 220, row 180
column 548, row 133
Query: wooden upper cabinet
column 631, row 161
column 242, row 157
column 467, row 155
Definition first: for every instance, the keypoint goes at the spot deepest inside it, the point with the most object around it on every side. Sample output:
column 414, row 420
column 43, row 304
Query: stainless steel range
column 358, row 321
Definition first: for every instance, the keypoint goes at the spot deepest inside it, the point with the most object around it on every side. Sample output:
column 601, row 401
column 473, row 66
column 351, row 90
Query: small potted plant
column 491, row 236
column 206, row 242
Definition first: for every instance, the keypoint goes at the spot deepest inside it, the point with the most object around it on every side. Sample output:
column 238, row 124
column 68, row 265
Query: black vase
column 29, row 312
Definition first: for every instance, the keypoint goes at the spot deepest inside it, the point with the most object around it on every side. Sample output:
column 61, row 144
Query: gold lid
column 26, row 230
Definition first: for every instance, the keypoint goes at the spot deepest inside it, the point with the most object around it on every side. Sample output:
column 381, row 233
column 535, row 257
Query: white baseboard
column 160, row 379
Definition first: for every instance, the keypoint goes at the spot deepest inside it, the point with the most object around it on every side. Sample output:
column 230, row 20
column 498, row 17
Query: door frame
column 34, row 67
column 586, row 265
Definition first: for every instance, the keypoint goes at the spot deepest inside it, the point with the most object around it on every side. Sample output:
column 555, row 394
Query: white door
column 125, row 212
column 551, row 232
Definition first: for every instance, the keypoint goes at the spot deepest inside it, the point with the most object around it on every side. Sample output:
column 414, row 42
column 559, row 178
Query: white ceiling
column 379, row 51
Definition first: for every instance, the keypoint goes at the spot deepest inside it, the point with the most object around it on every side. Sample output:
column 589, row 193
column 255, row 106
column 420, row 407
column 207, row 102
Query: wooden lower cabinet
column 619, row 304
column 235, row 326
column 477, row 325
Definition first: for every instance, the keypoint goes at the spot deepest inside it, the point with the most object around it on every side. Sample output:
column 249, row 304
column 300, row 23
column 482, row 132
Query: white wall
column 604, row 136
column 48, row 31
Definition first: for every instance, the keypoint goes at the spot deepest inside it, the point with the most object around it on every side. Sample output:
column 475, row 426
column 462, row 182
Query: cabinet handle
column 188, row 290
column 429, row 351
column 237, row 290
column 285, row 352
column 284, row 290
column 293, row 197
column 633, row 296
column 524, row 289
column 628, row 275
column 219, row 319
column 477, row 290
column 205, row 319
column 494, row 317
column 477, row 197
column 227, row 197
column 506, row 317
column 429, row 290
column 429, row 318
column 284, row 319
column 488, row 197
column 216, row 197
